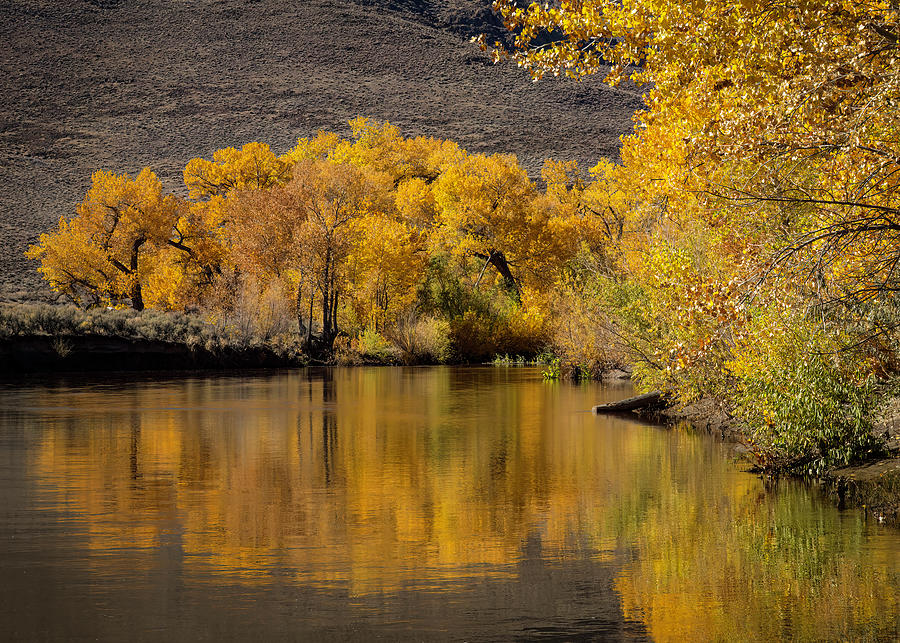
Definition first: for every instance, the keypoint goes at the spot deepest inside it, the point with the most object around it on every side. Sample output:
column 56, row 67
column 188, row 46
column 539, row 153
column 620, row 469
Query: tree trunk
column 301, row 327
column 326, row 298
column 498, row 260
column 312, row 302
column 334, row 327
column 638, row 402
column 137, row 296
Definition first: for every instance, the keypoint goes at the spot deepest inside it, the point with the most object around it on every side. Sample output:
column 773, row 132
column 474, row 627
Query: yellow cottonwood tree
column 765, row 170
column 489, row 210
column 483, row 207
column 303, row 232
column 103, row 255
column 792, row 117
column 381, row 147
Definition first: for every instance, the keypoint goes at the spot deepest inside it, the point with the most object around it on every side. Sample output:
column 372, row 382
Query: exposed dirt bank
column 874, row 487
column 709, row 414
column 79, row 353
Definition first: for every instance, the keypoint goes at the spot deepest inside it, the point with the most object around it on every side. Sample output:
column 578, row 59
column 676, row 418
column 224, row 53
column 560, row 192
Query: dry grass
column 422, row 341
column 64, row 322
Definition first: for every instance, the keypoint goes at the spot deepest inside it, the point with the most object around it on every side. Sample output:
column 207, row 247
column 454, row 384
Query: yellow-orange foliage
column 342, row 227
column 104, row 253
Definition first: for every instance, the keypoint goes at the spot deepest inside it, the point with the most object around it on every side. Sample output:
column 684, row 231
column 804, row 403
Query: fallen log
column 636, row 403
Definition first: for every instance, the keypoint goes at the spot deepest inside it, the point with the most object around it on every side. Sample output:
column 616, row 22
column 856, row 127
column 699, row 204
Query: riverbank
column 871, row 486
column 44, row 338
column 95, row 353
column 874, row 486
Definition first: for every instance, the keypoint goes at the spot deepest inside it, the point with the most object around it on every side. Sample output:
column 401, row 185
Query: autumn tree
column 385, row 268
column 305, row 231
column 381, row 147
column 792, row 116
column 253, row 167
column 483, row 203
column 100, row 256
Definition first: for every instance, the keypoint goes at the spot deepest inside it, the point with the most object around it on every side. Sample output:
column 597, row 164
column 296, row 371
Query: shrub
column 61, row 322
column 597, row 325
column 473, row 336
column 344, row 355
column 552, row 371
column 811, row 413
column 257, row 312
column 371, row 345
column 809, row 405
column 368, row 347
column 422, row 341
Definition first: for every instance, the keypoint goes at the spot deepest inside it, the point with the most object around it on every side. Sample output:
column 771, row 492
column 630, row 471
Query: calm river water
column 391, row 503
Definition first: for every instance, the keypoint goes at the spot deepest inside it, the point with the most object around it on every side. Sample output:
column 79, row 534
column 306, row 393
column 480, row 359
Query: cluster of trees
column 375, row 232
column 760, row 202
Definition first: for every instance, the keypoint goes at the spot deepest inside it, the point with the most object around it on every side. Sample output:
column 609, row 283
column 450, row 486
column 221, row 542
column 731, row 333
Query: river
column 408, row 504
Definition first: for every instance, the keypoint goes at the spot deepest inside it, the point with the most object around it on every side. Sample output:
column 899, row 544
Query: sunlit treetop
column 792, row 73
column 254, row 166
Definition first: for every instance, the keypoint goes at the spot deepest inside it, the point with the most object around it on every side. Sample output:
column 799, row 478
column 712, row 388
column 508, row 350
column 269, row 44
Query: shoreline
column 58, row 354
column 872, row 486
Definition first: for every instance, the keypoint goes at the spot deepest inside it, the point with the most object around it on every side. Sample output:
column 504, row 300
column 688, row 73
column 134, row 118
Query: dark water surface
column 434, row 503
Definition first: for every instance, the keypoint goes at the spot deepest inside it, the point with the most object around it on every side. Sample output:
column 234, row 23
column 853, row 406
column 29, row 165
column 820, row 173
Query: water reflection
column 471, row 503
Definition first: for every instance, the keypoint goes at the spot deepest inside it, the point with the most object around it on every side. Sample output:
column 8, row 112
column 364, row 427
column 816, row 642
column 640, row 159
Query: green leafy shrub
column 812, row 414
column 372, row 345
column 809, row 405
column 552, row 372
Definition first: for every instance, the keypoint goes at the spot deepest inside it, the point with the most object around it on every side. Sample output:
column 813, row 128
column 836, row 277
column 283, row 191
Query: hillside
column 121, row 84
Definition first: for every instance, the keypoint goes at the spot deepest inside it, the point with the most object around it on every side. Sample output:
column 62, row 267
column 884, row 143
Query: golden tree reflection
column 381, row 480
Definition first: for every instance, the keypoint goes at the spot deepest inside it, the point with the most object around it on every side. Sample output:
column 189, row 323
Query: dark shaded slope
column 464, row 17
column 122, row 84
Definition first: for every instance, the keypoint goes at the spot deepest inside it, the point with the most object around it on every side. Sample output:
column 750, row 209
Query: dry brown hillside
column 120, row 84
